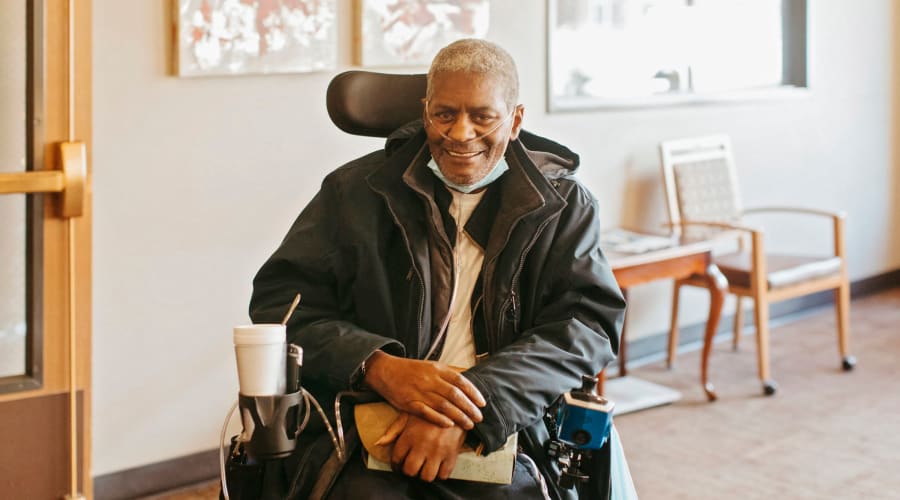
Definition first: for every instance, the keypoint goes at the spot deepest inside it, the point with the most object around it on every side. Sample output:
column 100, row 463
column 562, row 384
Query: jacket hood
column 552, row 158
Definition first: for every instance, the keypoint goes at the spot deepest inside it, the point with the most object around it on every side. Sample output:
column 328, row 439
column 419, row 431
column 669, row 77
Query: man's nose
column 462, row 129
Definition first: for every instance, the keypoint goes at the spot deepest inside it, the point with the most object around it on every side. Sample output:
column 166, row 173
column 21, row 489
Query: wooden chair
column 703, row 200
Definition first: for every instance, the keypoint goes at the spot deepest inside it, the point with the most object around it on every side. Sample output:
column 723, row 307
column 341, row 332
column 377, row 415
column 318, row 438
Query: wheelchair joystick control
column 579, row 423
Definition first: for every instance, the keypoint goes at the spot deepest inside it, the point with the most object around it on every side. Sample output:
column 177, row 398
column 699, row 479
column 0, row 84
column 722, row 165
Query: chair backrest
column 700, row 181
column 374, row 104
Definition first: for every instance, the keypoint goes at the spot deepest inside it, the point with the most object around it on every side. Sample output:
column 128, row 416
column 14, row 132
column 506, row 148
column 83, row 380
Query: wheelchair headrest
column 374, row 104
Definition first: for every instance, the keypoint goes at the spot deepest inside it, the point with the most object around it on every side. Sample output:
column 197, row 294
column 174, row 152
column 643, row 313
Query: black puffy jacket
column 550, row 308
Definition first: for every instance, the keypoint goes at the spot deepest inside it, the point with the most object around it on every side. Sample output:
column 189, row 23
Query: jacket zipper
column 412, row 260
column 454, row 273
column 515, row 279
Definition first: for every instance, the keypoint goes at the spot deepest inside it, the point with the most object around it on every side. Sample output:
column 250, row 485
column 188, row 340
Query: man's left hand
column 423, row 449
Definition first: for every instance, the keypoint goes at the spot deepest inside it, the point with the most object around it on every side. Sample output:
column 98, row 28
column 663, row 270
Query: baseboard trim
column 153, row 479
column 204, row 466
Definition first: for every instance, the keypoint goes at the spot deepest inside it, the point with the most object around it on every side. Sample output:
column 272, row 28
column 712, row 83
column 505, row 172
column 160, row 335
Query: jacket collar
column 525, row 197
column 525, row 194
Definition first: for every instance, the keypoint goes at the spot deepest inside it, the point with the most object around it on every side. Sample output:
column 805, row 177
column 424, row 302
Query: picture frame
column 231, row 37
column 411, row 32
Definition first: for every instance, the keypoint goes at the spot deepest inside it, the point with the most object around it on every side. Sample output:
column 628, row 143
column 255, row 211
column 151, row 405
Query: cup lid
column 263, row 333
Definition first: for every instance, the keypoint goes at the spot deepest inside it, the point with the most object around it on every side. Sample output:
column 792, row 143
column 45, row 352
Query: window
column 646, row 52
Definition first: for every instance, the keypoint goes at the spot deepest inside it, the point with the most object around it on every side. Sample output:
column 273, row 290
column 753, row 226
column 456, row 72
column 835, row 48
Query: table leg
column 623, row 352
column 718, row 286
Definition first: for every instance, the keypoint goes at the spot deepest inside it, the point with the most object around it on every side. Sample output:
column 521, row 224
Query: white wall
column 197, row 180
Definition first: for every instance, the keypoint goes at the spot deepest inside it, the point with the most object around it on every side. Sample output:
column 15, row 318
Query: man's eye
column 484, row 119
column 443, row 116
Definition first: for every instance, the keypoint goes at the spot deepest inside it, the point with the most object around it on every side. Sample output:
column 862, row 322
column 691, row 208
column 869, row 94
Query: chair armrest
column 837, row 220
column 796, row 210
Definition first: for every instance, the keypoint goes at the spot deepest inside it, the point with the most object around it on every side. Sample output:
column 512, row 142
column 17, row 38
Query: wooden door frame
column 66, row 117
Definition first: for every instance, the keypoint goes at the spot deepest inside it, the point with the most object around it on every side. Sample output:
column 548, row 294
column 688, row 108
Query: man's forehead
column 476, row 89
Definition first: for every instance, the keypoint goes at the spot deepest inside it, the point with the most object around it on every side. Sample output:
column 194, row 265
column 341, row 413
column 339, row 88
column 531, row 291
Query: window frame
column 795, row 75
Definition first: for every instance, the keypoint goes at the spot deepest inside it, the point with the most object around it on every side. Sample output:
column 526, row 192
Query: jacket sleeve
column 313, row 261
column 577, row 323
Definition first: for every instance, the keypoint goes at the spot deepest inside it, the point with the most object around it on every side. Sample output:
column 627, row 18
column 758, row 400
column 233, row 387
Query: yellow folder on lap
column 373, row 420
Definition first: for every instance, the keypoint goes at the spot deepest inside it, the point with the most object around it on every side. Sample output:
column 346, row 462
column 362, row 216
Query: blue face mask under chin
column 499, row 169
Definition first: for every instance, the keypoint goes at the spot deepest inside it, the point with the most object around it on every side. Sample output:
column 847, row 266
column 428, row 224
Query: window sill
column 569, row 104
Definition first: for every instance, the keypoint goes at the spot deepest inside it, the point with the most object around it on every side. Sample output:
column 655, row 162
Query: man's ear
column 518, row 115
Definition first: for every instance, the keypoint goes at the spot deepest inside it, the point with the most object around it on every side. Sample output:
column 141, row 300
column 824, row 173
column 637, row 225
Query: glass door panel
column 16, row 220
column 13, row 327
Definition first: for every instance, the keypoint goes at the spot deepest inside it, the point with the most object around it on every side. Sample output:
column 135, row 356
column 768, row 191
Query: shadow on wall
column 643, row 205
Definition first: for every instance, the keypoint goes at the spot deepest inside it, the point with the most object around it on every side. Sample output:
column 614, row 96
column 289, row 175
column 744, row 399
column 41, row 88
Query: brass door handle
column 69, row 181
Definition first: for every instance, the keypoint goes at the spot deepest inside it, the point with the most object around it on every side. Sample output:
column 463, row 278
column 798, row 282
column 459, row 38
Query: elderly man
column 457, row 274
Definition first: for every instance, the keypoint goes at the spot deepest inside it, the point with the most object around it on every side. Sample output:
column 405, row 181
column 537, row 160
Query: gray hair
column 481, row 57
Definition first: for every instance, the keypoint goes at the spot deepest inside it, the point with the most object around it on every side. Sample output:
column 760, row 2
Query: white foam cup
column 260, row 354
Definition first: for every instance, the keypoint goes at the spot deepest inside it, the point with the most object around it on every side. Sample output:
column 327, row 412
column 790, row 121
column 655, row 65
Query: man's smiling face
column 469, row 124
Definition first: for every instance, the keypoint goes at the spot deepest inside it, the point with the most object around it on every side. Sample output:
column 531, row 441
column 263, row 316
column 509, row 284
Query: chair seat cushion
column 782, row 270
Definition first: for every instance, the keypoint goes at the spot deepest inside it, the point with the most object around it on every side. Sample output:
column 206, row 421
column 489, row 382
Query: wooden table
column 676, row 262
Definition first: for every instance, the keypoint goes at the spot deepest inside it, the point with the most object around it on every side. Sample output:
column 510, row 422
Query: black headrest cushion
column 374, row 104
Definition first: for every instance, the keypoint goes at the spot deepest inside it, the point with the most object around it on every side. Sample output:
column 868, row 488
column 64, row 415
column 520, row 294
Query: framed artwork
column 239, row 37
column 410, row 32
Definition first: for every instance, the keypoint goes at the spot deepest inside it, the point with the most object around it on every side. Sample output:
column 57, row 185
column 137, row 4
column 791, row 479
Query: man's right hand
column 428, row 389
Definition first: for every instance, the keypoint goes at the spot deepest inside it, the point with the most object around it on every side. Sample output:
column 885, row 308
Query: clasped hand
column 421, row 448
column 427, row 389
